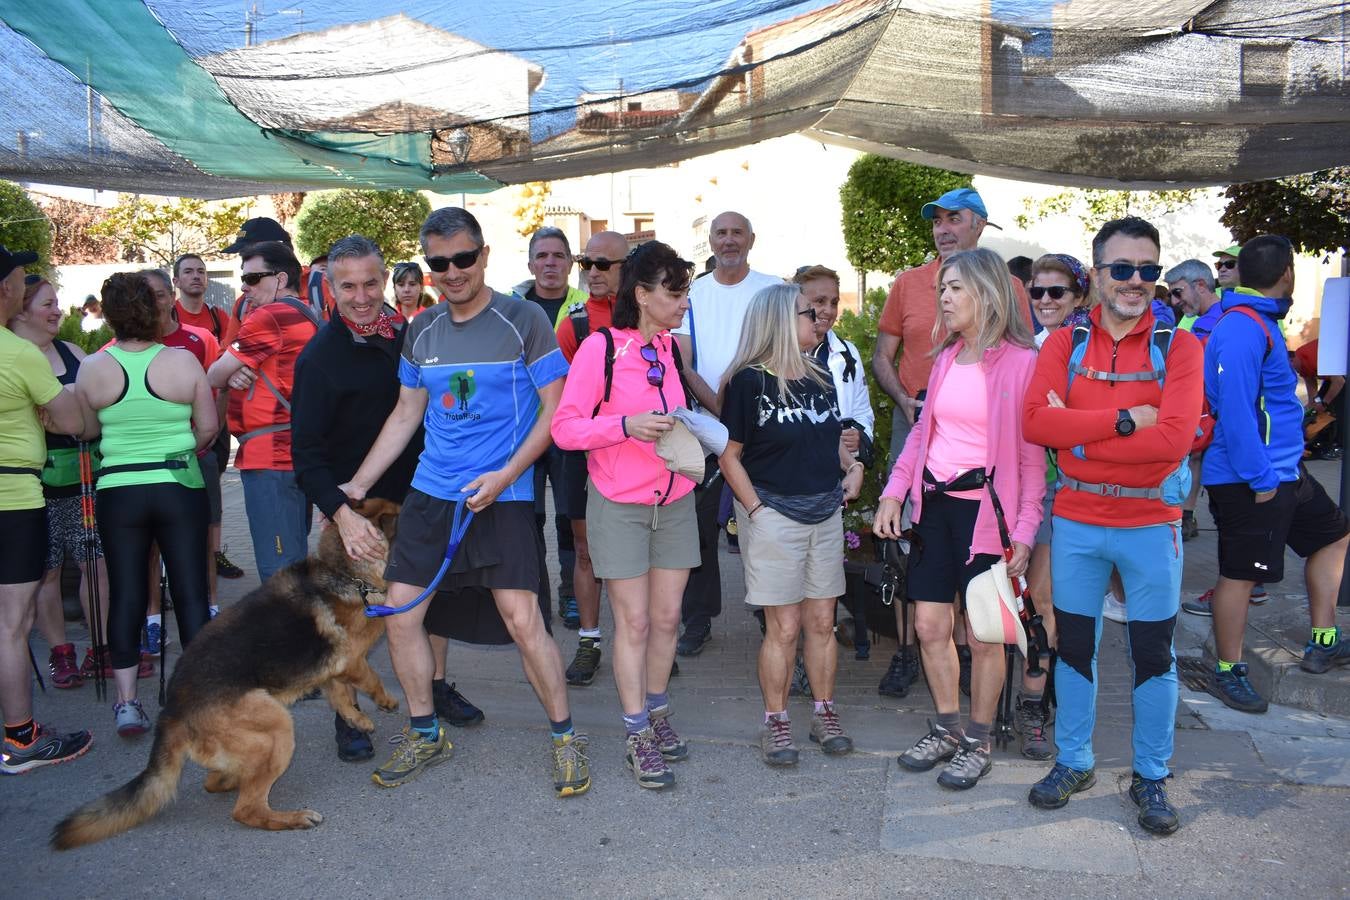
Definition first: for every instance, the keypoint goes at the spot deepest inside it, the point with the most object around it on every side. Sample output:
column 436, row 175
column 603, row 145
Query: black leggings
column 130, row 518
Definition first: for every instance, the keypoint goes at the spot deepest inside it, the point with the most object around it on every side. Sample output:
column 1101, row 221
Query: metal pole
column 1344, row 428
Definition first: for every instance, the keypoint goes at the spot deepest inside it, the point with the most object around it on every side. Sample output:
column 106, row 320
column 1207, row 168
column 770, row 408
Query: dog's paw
column 309, row 818
column 387, row 703
column 361, row 722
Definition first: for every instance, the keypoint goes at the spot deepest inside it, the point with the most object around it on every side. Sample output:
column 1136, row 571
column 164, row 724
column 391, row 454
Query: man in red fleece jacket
column 1123, row 427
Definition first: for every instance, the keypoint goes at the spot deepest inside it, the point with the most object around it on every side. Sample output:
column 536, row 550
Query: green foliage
column 1311, row 210
column 88, row 341
column 861, row 329
column 1094, row 207
column 881, row 200
column 389, row 218
column 158, row 233
column 23, row 226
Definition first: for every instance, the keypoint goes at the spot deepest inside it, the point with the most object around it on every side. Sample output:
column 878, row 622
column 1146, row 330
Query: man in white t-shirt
column 708, row 340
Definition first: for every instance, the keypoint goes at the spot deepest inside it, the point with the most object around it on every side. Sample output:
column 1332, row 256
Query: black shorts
column 937, row 561
column 501, row 548
column 23, row 551
column 1252, row 536
column 574, row 477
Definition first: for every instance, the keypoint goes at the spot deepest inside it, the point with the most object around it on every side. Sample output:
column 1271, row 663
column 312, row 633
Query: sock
column 436, row 681
column 635, row 723
column 22, row 733
column 426, row 726
column 1224, row 665
column 156, row 619
column 821, row 704
column 656, row 701
column 1033, row 697
column 560, row 730
column 774, row 715
column 592, row 633
column 1326, row 637
column 950, row 721
column 979, row 731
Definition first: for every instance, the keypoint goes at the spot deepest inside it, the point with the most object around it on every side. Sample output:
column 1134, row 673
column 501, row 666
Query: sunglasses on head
column 656, row 372
column 252, row 278
column 466, row 260
column 809, row 312
column 1125, row 271
column 1055, row 291
column 602, row 264
column 1226, row 264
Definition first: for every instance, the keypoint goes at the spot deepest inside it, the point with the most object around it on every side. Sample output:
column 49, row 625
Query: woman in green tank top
column 154, row 410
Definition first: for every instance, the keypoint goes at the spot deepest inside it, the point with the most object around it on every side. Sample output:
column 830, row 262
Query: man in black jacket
column 346, row 384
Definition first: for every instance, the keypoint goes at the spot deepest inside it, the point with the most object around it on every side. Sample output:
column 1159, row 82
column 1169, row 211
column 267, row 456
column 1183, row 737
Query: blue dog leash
column 458, row 526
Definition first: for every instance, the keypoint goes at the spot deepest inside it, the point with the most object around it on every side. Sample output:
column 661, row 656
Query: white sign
column 1334, row 335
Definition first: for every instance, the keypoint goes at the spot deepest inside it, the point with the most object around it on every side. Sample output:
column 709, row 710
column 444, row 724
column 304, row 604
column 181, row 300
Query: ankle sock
column 426, row 726
column 635, row 723
column 656, row 701
column 979, row 731
column 1223, row 666
column 950, row 721
column 821, row 704
column 1326, row 637
column 774, row 715
column 592, row 633
column 560, row 730
column 22, row 733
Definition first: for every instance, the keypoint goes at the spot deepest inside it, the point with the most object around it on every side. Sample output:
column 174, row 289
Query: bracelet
column 751, row 513
column 856, row 464
column 623, row 425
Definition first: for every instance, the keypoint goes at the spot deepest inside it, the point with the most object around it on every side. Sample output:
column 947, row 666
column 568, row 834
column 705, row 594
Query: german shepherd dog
column 228, row 697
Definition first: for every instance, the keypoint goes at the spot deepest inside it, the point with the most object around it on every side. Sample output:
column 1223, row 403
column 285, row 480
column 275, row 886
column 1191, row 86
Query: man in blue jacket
column 1260, row 495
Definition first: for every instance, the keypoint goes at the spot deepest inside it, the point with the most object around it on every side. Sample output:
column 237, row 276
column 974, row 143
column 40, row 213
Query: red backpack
column 1204, row 432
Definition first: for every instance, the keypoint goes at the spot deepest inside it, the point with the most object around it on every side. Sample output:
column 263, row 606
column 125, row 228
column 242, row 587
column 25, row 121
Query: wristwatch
column 1124, row 423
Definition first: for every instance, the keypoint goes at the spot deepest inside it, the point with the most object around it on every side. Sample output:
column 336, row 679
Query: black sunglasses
column 252, row 278
column 1176, row 293
column 1055, row 291
column 602, row 264
column 466, row 260
column 809, row 312
column 1226, row 264
column 656, row 373
column 1125, row 271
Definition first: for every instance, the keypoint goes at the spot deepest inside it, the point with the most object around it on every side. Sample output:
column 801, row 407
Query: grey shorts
column 628, row 539
column 1043, row 533
column 65, row 533
column 787, row 562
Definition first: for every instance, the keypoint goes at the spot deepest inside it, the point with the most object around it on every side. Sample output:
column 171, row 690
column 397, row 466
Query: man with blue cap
column 959, row 218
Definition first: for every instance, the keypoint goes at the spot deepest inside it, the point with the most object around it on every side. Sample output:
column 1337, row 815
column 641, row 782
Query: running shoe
column 154, row 634
column 353, row 744
column 571, row 768
column 937, row 745
column 47, row 749
column 903, row 672
column 413, row 754
column 131, row 718
column 1054, row 790
column 61, row 663
column 225, row 568
column 453, row 707
column 1233, row 688
column 827, row 731
column 972, row 761
column 146, row 667
column 89, row 668
column 1200, row 606
column 672, row 746
column 1318, row 659
column 775, row 742
column 645, row 761
column 568, row 612
column 1113, row 609
column 1030, row 722
column 1155, row 813
column 694, row 639
column 585, row 664
column 1259, row 594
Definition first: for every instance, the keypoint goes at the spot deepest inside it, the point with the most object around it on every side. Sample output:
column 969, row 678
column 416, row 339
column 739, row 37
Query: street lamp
column 459, row 142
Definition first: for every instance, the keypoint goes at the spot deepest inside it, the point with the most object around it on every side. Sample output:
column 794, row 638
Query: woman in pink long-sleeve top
column 623, row 384
column 971, row 429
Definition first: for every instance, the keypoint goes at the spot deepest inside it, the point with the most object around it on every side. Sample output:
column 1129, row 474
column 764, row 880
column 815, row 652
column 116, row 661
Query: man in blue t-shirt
column 482, row 372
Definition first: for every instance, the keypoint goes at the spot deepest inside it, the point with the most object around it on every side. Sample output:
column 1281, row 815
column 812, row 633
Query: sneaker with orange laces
column 46, row 749
column 61, row 663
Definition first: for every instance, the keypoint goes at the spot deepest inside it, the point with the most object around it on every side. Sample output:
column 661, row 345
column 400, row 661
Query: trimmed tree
column 389, row 218
column 158, row 233
column 23, row 226
column 881, row 200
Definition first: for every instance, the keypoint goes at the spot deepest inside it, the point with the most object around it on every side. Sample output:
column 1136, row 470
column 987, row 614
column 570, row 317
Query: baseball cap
column 255, row 231
column 960, row 198
column 12, row 259
column 1231, row 251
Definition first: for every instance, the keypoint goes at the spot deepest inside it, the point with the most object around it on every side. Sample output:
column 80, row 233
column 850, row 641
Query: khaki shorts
column 787, row 562
column 625, row 545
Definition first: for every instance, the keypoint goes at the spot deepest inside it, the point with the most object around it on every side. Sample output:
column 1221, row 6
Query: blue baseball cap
column 961, row 198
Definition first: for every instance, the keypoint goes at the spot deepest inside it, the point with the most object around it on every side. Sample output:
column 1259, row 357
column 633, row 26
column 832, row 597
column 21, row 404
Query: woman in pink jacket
column 623, row 384
column 971, row 427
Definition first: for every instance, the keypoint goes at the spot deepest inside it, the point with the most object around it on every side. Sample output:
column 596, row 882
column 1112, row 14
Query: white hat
column 991, row 608
column 682, row 452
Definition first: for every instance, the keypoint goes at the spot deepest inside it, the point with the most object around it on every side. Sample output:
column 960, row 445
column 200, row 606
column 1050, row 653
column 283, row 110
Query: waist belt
column 144, row 466
column 1111, row 490
column 971, row 480
column 259, row 432
column 20, row 470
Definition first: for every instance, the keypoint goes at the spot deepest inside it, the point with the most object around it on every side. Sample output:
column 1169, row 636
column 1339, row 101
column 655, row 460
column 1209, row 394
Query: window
column 1265, row 69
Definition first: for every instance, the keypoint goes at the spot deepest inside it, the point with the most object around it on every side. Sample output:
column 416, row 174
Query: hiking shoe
column 671, row 745
column 775, row 742
column 1319, row 660
column 154, row 635
column 829, row 733
column 1113, row 609
column 694, row 639
column 1189, row 528
column 225, row 568
column 413, row 754
column 1233, row 688
column 585, row 663
column 935, row 746
column 1200, row 606
column 645, row 761
column 1030, row 721
column 353, row 744
column 901, row 675
column 568, row 612
column 131, row 718
column 963, row 657
column 972, row 761
column 1155, row 813
column 453, row 707
column 800, row 686
column 571, row 768
column 1054, row 790
column 61, row 664
column 47, row 749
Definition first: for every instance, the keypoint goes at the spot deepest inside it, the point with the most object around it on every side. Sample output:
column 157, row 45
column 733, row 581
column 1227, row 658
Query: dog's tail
column 137, row 800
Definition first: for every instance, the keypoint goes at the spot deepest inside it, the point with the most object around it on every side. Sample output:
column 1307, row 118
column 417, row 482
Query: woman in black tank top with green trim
column 154, row 409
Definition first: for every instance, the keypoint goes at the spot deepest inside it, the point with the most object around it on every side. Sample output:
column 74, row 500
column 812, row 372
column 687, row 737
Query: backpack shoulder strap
column 675, row 352
column 609, row 368
column 1077, row 350
column 1259, row 320
column 301, row 307
column 215, row 321
column 581, row 323
column 1158, row 350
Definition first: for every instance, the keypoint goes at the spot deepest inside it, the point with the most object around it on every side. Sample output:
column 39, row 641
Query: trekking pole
column 93, row 589
column 163, row 624
column 1003, row 730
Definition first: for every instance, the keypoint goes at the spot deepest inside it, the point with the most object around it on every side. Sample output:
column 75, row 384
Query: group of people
column 1043, row 431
